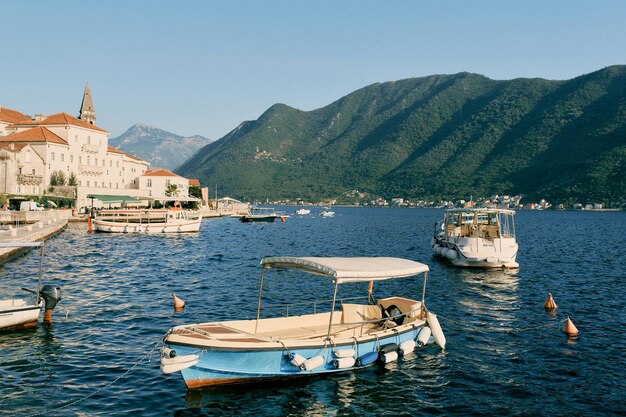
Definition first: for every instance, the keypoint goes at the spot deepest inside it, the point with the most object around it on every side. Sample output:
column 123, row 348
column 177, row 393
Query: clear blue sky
column 203, row 67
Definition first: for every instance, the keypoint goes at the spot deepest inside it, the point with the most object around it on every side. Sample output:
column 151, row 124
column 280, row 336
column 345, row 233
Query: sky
column 203, row 67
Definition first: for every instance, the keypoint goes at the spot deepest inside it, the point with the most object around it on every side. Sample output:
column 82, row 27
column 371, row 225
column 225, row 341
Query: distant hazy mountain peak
column 157, row 146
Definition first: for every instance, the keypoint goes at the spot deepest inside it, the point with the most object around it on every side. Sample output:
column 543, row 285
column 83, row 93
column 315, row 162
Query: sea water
column 504, row 355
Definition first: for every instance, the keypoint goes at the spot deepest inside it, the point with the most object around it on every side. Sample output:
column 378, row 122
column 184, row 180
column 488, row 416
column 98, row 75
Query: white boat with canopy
column 21, row 313
column 148, row 221
column 477, row 237
column 347, row 336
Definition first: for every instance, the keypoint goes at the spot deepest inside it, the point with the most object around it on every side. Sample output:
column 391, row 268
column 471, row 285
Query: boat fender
column 444, row 252
column 295, row 359
column 423, row 337
column 312, row 363
column 406, row 347
column 179, row 359
column 452, row 254
column 343, row 363
column 168, row 353
column 433, row 323
column 389, row 347
column 388, row 357
column 174, row 367
column 367, row 359
column 344, row 353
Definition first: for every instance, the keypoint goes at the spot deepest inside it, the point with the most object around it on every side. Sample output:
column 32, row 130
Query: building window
column 52, row 156
column 167, row 183
column 149, row 184
column 87, row 183
column 71, row 158
column 80, row 159
column 62, row 157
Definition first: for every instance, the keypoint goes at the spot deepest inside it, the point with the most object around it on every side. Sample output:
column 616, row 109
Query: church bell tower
column 87, row 112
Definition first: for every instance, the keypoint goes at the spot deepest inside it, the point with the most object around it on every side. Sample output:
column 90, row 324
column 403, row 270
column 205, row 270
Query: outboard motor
column 51, row 296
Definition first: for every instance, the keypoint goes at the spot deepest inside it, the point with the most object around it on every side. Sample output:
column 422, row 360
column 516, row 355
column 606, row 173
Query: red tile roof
column 36, row 134
column 61, row 119
column 15, row 148
column 159, row 173
column 12, row 116
column 114, row 150
column 194, row 182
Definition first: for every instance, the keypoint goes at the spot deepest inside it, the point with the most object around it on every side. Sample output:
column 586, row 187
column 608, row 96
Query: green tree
column 171, row 190
column 72, row 180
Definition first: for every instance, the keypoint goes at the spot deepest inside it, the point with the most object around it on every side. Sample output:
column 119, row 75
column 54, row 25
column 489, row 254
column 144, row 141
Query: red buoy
column 178, row 303
column 569, row 328
column 550, row 305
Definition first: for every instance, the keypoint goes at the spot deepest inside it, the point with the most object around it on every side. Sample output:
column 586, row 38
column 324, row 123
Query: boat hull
column 478, row 253
column 228, row 366
column 148, row 228
column 255, row 219
column 18, row 317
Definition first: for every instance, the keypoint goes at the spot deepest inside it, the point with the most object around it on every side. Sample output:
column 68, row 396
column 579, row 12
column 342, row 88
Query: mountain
column 442, row 135
column 162, row 149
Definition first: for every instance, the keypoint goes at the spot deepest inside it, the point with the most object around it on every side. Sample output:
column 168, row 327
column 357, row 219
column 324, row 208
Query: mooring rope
column 104, row 387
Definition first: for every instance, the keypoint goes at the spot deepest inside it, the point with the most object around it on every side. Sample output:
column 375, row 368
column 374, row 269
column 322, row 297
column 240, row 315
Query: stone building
column 34, row 151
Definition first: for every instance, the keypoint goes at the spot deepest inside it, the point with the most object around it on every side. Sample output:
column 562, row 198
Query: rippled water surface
column 504, row 355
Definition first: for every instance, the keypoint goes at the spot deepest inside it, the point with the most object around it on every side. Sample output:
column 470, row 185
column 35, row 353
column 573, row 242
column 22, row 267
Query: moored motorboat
column 477, row 237
column 302, row 212
column 148, row 221
column 20, row 313
column 351, row 337
column 261, row 214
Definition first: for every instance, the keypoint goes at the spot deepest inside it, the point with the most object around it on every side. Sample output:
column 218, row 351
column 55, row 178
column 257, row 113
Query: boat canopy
column 349, row 269
column 480, row 210
column 106, row 198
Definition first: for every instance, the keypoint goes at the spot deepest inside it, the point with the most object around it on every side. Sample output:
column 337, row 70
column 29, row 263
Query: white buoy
column 406, row 347
column 296, row 359
column 179, row 359
column 344, row 353
column 433, row 323
column 312, row 363
column 174, row 367
column 423, row 337
column 389, row 357
column 343, row 363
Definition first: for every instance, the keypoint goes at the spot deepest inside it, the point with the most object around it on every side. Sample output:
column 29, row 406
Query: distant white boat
column 477, row 237
column 327, row 212
column 148, row 221
column 303, row 212
column 20, row 313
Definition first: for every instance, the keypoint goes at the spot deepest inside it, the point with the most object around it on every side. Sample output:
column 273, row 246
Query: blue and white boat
column 347, row 337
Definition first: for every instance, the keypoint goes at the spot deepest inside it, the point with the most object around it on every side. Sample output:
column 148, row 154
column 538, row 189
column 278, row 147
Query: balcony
column 90, row 170
column 90, row 148
column 29, row 179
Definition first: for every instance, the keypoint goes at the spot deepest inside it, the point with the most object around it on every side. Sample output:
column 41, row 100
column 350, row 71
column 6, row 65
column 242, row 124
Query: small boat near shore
column 22, row 313
column 477, row 237
column 261, row 214
column 148, row 221
column 327, row 212
column 302, row 212
column 351, row 337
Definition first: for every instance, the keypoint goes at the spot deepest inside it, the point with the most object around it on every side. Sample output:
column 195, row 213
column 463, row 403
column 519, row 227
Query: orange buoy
column 89, row 226
column 550, row 305
column 282, row 219
column 178, row 303
column 569, row 328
